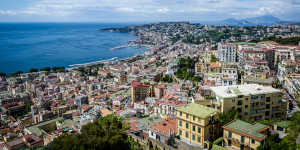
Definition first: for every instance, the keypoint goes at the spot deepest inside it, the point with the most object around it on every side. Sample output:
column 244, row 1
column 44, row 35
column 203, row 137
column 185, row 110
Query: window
column 199, row 120
column 180, row 123
column 268, row 106
column 194, row 118
column 187, row 116
column 152, row 133
column 253, row 141
column 180, row 113
column 229, row 134
column 230, row 82
column 246, row 113
column 194, row 128
column 268, row 99
column 186, row 134
column 187, row 125
column 180, row 132
column 246, row 106
column 193, row 137
column 233, row 101
column 199, row 139
column 199, row 130
column 240, row 102
column 242, row 139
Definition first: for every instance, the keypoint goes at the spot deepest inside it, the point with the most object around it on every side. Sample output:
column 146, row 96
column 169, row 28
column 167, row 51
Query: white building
column 227, row 52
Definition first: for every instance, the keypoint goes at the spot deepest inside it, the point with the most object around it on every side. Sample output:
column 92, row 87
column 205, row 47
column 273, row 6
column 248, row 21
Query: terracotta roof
column 166, row 127
column 105, row 112
column 215, row 64
column 137, row 84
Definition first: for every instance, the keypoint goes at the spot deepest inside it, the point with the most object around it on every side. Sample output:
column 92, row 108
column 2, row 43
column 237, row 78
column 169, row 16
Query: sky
column 144, row 10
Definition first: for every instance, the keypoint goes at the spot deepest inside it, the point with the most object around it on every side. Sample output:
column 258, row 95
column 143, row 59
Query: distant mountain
column 261, row 20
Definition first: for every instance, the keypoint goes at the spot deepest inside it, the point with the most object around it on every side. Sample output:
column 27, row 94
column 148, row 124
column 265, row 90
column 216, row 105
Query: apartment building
column 242, row 135
column 252, row 101
column 196, row 124
column 139, row 91
column 227, row 52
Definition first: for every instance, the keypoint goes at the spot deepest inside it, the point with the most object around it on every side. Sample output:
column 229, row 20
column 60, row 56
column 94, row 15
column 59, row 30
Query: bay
column 36, row 45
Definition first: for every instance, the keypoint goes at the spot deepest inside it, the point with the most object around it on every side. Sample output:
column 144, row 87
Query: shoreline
column 69, row 67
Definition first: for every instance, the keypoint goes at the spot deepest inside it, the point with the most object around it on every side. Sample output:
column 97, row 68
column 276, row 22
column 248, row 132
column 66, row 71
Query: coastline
column 135, row 50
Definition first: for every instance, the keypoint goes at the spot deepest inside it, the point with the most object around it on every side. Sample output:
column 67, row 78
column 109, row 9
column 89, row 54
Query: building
column 139, row 91
column 227, row 52
column 160, row 90
column 123, row 77
column 196, row 124
column 252, row 101
column 243, row 135
column 163, row 130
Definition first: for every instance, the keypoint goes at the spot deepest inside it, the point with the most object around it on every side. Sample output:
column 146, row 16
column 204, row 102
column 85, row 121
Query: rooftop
column 165, row 127
column 197, row 110
column 245, row 89
column 137, row 84
column 253, row 130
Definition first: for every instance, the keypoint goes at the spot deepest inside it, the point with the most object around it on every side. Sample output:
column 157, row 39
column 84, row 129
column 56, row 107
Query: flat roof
column 197, row 110
column 245, row 89
column 246, row 128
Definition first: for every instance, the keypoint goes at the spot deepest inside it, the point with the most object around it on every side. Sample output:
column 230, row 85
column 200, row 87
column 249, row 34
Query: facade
column 139, row 91
column 196, row 124
column 123, row 78
column 253, row 101
column 245, row 136
column 227, row 52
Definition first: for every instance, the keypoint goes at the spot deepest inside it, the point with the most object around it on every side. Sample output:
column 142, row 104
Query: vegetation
column 48, row 69
column 288, row 142
column 107, row 133
column 33, row 70
column 185, row 70
column 226, row 117
column 136, row 58
column 288, row 41
column 58, row 69
column 24, row 112
column 2, row 74
column 213, row 58
column 17, row 73
column 167, row 79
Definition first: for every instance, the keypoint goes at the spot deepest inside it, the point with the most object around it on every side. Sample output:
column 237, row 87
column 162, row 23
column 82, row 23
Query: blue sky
column 144, row 10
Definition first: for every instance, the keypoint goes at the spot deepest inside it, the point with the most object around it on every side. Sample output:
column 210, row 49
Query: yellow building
column 196, row 124
column 243, row 135
column 252, row 101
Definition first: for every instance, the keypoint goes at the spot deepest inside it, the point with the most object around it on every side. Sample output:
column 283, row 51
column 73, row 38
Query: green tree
column 48, row 69
column 17, row 73
column 213, row 58
column 33, row 70
column 107, row 133
column 2, row 74
column 226, row 117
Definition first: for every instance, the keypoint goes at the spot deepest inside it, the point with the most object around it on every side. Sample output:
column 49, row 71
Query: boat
column 118, row 47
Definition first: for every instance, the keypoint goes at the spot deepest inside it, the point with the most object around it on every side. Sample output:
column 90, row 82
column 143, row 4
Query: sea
column 37, row 45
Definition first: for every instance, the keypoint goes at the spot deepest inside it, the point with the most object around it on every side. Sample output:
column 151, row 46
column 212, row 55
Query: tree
column 48, row 69
column 226, row 117
column 17, row 73
column 2, row 74
column 107, row 133
column 213, row 58
column 33, row 70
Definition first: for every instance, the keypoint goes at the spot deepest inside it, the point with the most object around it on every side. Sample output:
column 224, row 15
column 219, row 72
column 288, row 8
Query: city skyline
column 144, row 10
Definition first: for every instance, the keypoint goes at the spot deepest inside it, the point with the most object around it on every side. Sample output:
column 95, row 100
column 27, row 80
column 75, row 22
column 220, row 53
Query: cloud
column 163, row 10
column 146, row 9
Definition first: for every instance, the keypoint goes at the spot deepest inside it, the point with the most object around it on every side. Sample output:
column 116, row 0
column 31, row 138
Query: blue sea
column 36, row 45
